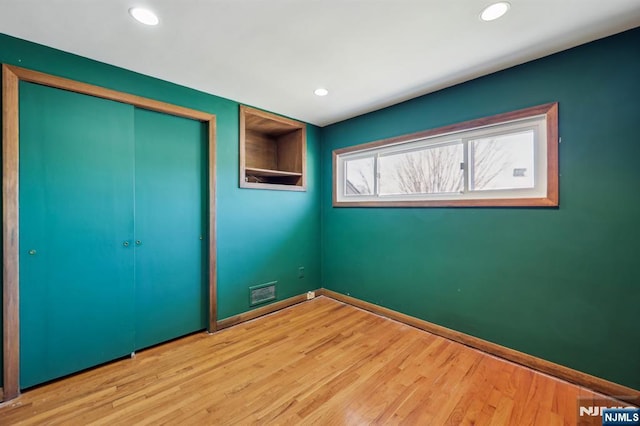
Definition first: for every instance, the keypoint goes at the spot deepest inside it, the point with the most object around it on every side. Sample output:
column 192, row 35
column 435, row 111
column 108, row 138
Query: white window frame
column 542, row 120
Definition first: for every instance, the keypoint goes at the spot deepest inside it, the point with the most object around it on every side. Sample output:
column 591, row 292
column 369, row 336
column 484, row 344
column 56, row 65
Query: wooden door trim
column 10, row 241
column 11, row 77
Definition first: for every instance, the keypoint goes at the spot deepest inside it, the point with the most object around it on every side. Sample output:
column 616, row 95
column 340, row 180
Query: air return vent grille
column 262, row 293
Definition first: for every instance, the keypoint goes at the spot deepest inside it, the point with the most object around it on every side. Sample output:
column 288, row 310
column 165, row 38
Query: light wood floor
column 320, row 362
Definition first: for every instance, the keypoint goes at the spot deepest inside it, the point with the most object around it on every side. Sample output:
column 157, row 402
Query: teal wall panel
column 262, row 235
column 561, row 284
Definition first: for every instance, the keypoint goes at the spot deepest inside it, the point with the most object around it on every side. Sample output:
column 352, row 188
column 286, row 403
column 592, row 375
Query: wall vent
column 262, row 293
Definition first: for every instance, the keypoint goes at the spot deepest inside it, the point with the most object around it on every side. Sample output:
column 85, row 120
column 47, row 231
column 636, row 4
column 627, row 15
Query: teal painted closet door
column 76, row 210
column 170, row 209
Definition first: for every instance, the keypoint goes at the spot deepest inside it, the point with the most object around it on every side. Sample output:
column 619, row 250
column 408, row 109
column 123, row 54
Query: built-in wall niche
column 272, row 151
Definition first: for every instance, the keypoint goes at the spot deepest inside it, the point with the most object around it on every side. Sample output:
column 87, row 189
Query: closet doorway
column 109, row 237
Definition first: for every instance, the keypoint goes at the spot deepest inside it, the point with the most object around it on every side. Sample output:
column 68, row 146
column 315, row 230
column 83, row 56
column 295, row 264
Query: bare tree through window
column 360, row 176
column 496, row 162
column 439, row 170
column 431, row 170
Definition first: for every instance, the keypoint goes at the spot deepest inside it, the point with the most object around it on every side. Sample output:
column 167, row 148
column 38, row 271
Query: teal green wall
column 561, row 284
column 263, row 235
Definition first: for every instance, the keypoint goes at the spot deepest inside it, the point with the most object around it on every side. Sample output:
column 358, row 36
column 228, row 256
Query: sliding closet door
column 170, row 215
column 76, row 232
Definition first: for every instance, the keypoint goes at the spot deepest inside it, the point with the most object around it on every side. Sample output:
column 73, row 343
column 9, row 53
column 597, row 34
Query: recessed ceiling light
column 495, row 11
column 144, row 16
column 321, row 92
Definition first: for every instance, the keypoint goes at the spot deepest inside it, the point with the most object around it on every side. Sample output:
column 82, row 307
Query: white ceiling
column 272, row 54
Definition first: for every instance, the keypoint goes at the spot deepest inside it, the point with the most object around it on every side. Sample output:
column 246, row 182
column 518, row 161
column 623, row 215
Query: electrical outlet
column 311, row 295
column 301, row 272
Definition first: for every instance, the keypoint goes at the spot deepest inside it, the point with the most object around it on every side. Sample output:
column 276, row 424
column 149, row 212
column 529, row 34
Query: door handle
column 138, row 242
column 126, row 243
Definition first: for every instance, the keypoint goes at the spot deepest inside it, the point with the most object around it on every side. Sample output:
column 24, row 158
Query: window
column 506, row 160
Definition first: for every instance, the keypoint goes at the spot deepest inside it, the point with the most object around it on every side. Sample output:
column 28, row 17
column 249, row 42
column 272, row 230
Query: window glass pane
column 359, row 176
column 502, row 162
column 431, row 170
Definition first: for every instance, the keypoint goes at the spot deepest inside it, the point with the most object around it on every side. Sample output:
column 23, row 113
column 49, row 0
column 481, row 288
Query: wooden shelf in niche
column 273, row 151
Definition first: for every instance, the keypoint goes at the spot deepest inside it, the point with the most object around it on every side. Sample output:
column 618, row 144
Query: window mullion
column 466, row 165
column 344, row 177
column 376, row 175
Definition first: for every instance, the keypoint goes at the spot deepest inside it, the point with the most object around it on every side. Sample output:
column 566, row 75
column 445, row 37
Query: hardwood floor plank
column 318, row 362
